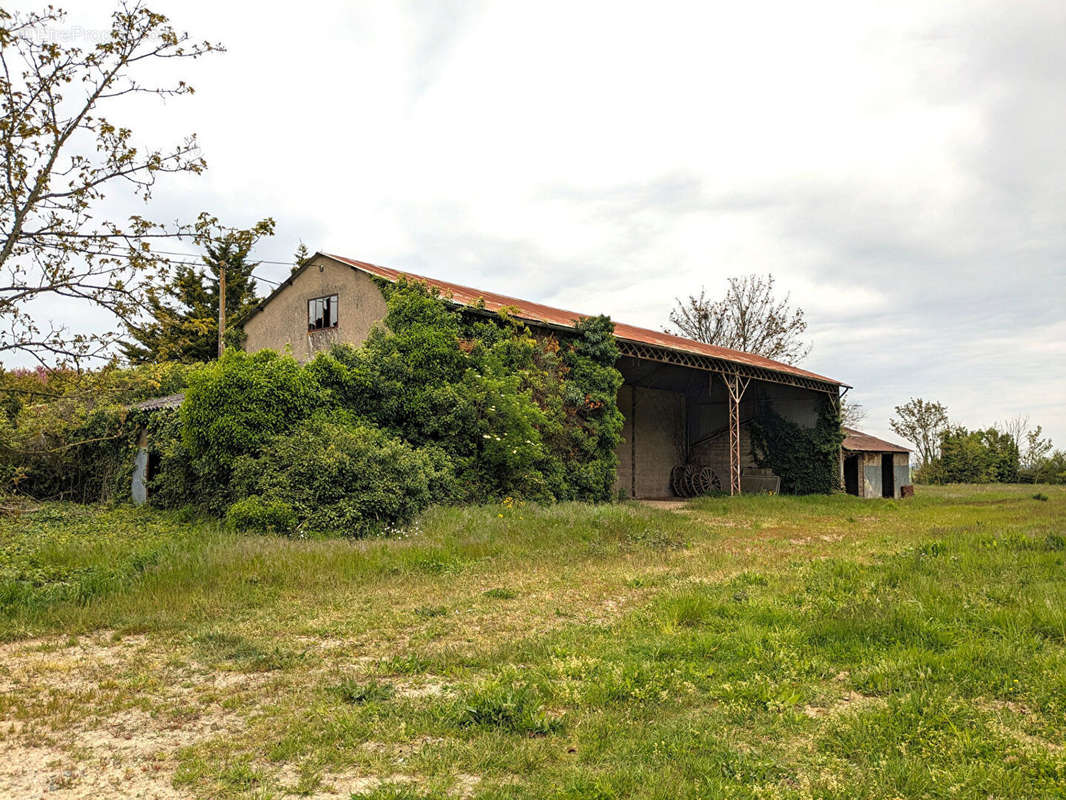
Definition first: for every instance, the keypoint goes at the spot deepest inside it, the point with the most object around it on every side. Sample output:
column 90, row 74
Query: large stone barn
column 688, row 406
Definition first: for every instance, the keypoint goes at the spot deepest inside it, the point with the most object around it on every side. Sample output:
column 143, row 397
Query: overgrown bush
column 71, row 435
column 517, row 415
column 437, row 406
column 980, row 456
column 236, row 404
column 262, row 515
column 328, row 477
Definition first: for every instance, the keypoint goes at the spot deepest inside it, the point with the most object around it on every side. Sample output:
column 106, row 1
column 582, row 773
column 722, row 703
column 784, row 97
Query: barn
column 874, row 467
column 688, row 405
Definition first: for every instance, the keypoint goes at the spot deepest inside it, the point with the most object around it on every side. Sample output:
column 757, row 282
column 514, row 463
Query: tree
column 1034, row 456
column 300, row 257
column 1015, row 427
column 977, row 456
column 851, row 413
column 1003, row 459
column 60, row 155
column 184, row 313
column 1032, row 449
column 749, row 318
column 921, row 423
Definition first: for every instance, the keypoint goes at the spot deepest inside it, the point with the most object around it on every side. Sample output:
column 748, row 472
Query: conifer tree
column 183, row 313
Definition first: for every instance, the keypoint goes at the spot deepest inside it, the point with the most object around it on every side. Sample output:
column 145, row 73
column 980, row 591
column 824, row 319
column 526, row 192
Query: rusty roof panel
column 864, row 442
column 535, row 312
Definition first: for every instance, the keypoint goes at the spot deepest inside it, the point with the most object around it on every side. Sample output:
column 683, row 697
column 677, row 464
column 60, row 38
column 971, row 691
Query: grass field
column 755, row 647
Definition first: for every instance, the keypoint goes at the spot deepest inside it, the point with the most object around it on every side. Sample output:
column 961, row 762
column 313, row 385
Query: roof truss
column 696, row 361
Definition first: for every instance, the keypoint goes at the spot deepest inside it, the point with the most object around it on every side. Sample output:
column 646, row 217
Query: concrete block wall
column 651, row 437
column 715, row 454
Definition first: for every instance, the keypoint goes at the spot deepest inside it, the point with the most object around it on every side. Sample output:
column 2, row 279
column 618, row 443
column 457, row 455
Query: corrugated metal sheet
column 535, row 312
column 170, row 401
column 863, row 442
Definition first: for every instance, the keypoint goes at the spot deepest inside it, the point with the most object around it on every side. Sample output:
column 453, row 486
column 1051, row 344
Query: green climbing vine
column 806, row 459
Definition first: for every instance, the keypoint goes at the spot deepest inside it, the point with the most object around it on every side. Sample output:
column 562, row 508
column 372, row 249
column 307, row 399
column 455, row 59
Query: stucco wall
column 282, row 323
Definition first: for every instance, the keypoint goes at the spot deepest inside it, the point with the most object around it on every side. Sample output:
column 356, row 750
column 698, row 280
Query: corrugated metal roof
column 536, row 312
column 154, row 403
column 864, row 442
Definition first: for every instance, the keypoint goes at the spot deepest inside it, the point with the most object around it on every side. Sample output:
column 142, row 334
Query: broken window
column 322, row 313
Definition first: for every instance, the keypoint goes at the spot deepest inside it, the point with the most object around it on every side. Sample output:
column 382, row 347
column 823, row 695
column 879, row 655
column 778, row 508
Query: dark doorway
column 888, row 477
column 851, row 475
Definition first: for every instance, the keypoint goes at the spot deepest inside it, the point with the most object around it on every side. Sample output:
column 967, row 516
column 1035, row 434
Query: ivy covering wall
column 806, row 459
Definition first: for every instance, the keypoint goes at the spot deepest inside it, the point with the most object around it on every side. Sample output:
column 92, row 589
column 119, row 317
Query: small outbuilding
column 874, row 467
column 146, row 460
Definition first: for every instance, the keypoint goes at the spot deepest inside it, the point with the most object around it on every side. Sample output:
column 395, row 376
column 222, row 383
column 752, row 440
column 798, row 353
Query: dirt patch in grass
column 103, row 716
column 849, row 702
column 129, row 754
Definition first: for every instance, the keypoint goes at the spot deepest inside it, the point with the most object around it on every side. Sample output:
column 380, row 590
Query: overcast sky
column 899, row 167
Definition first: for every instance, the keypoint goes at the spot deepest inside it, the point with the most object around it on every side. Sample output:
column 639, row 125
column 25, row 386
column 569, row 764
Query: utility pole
column 221, row 306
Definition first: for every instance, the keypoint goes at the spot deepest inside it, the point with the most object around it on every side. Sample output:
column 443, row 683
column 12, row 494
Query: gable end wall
column 282, row 323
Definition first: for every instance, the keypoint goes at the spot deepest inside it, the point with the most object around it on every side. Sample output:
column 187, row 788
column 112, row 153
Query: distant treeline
column 993, row 455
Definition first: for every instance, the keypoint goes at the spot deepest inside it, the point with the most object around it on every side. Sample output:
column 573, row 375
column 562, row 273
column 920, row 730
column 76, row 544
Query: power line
column 118, row 254
column 193, row 255
column 192, row 263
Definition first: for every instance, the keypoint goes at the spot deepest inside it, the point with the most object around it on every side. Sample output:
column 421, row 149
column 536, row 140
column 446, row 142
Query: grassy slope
column 753, row 647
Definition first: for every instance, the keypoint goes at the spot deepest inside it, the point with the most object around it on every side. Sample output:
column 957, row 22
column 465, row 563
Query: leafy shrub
column 437, row 406
column 257, row 514
column 975, row 457
column 69, row 434
column 237, row 403
column 349, row 478
column 517, row 416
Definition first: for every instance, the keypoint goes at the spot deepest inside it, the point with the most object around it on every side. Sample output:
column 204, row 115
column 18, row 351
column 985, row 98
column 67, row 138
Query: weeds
column 356, row 693
column 504, row 705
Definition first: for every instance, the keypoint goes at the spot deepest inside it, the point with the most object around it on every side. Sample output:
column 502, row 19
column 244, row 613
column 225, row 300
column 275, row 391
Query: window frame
column 328, row 311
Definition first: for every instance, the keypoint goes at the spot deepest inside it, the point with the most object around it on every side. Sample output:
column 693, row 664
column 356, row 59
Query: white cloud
column 897, row 166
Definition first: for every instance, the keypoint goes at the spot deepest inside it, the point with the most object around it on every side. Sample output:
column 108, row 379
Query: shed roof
column 547, row 315
column 863, row 442
column 156, row 403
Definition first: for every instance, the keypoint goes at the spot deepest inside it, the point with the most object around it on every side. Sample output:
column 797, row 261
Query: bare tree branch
column 60, row 154
column 749, row 318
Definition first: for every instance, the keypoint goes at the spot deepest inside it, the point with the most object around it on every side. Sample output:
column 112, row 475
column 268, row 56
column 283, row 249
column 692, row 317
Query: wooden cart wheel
column 677, row 478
